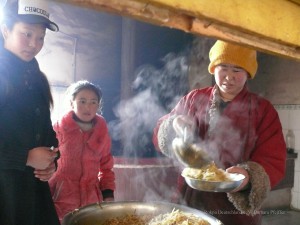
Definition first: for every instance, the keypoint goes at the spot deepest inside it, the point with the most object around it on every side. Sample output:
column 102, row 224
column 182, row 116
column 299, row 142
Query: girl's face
column 85, row 105
column 230, row 79
column 24, row 40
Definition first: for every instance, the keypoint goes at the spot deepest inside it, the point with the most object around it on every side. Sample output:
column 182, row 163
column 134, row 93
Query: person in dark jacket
column 26, row 135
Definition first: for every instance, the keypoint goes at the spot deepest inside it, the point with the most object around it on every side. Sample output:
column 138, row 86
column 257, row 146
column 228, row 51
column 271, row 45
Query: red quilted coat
column 85, row 165
column 249, row 133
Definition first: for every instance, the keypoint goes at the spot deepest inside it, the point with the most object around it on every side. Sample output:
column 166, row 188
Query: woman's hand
column 41, row 158
column 245, row 183
column 184, row 127
column 46, row 174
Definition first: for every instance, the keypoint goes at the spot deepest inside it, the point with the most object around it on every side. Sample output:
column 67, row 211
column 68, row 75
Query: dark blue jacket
column 24, row 124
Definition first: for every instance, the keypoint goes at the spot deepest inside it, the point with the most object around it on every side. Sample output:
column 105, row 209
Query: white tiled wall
column 290, row 118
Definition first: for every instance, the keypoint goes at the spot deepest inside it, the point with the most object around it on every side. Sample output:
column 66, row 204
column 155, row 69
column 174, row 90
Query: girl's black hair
column 75, row 88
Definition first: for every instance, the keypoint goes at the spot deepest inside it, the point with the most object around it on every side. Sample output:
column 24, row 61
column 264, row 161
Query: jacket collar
column 17, row 62
column 70, row 124
column 238, row 97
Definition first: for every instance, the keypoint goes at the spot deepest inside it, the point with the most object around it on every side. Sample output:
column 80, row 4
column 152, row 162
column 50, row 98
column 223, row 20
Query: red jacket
column 249, row 130
column 253, row 131
column 85, row 165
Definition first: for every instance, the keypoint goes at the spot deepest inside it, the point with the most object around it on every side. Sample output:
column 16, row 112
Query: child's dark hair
column 75, row 88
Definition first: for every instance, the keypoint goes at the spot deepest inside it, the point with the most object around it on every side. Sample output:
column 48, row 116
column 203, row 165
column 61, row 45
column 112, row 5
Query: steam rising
column 157, row 90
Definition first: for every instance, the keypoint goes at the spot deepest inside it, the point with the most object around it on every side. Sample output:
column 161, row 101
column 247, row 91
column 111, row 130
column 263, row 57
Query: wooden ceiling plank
column 138, row 10
column 279, row 20
column 183, row 17
column 254, row 41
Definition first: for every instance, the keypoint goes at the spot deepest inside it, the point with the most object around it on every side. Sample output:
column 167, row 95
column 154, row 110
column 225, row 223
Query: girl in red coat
column 84, row 174
column 240, row 130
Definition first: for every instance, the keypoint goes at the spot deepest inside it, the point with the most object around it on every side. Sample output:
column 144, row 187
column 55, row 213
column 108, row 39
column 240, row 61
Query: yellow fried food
column 209, row 172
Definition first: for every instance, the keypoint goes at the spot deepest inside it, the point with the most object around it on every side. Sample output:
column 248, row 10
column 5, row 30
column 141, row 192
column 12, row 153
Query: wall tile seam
column 286, row 107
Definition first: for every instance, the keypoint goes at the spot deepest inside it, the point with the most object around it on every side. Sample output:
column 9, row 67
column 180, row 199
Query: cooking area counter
column 145, row 178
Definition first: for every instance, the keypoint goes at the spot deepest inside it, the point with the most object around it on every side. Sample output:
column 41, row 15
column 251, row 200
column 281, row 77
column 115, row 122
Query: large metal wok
column 96, row 214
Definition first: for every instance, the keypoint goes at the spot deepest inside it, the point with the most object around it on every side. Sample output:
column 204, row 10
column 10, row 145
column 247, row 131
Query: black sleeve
column 108, row 193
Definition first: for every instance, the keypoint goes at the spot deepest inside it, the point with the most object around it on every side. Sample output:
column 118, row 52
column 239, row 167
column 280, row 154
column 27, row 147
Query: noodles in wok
column 176, row 217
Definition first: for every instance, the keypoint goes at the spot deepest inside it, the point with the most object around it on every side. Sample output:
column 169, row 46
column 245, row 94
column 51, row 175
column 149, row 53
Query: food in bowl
column 211, row 178
column 209, row 172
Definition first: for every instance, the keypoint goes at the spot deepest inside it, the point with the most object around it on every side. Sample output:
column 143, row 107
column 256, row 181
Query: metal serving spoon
column 188, row 153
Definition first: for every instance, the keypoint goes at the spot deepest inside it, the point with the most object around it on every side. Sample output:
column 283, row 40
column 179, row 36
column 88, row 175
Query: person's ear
column 71, row 104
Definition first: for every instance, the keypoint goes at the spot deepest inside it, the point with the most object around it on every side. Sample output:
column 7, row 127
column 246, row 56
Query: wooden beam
column 269, row 29
column 278, row 20
column 218, row 31
column 138, row 10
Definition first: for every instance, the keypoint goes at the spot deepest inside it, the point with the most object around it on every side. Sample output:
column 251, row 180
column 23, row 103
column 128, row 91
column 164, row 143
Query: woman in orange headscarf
column 239, row 130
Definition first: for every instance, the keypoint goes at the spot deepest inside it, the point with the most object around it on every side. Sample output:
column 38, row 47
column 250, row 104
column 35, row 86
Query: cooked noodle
column 207, row 173
column 129, row 220
column 176, row 217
